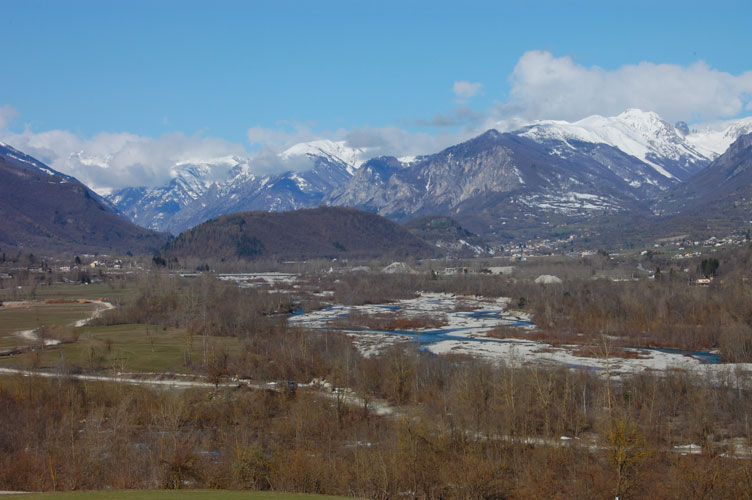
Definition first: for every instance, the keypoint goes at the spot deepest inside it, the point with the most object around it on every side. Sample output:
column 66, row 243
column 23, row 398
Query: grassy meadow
column 131, row 348
column 55, row 318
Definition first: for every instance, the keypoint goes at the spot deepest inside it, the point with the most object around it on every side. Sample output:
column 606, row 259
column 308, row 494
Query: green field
column 173, row 494
column 55, row 317
column 132, row 348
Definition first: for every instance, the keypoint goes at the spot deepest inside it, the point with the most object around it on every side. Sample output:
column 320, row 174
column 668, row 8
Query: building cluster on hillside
column 28, row 269
column 689, row 248
column 537, row 247
column 682, row 243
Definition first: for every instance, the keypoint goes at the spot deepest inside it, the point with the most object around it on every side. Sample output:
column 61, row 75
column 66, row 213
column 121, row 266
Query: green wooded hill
column 325, row 232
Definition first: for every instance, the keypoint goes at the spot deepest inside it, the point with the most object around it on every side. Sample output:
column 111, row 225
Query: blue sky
column 266, row 74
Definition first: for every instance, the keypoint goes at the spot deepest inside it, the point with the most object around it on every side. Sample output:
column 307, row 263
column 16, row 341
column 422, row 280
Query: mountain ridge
column 664, row 155
column 545, row 175
column 45, row 210
column 726, row 184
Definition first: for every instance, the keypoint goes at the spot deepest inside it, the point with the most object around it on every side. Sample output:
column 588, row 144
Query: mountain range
column 543, row 175
column 543, row 179
column 202, row 190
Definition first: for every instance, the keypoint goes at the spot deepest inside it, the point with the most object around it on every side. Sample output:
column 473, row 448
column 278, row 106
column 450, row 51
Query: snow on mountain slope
column 496, row 176
column 722, row 189
column 713, row 140
column 202, row 189
column 10, row 152
column 191, row 180
column 642, row 134
column 45, row 210
column 210, row 171
column 600, row 164
column 333, row 151
column 25, row 161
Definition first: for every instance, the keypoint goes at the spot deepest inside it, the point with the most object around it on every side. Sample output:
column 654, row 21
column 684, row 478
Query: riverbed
column 467, row 324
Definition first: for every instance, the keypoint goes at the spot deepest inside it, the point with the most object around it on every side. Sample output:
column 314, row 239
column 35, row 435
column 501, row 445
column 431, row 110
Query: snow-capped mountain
column 642, row 134
column 547, row 171
column 674, row 151
column 714, row 140
column 335, row 152
column 200, row 190
column 154, row 207
column 247, row 191
column 497, row 179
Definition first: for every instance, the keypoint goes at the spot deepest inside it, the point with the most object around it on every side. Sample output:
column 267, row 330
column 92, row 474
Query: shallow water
column 710, row 358
column 465, row 327
column 432, row 336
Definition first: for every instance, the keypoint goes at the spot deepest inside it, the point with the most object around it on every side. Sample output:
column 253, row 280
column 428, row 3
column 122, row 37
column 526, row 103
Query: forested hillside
column 301, row 234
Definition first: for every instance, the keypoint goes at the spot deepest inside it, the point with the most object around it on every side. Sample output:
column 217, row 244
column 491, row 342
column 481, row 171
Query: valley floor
column 365, row 385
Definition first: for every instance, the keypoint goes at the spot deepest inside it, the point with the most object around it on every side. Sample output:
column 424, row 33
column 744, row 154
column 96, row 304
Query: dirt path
column 164, row 382
column 174, row 381
column 106, row 306
column 33, row 336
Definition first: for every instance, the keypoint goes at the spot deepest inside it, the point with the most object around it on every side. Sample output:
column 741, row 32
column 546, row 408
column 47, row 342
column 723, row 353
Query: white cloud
column 542, row 87
column 109, row 161
column 548, row 87
column 115, row 160
column 395, row 141
column 267, row 161
column 465, row 90
column 462, row 116
column 7, row 114
column 378, row 141
column 283, row 136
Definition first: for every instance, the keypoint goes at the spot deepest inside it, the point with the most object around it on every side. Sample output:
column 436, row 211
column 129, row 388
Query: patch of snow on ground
column 466, row 333
column 250, row 279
